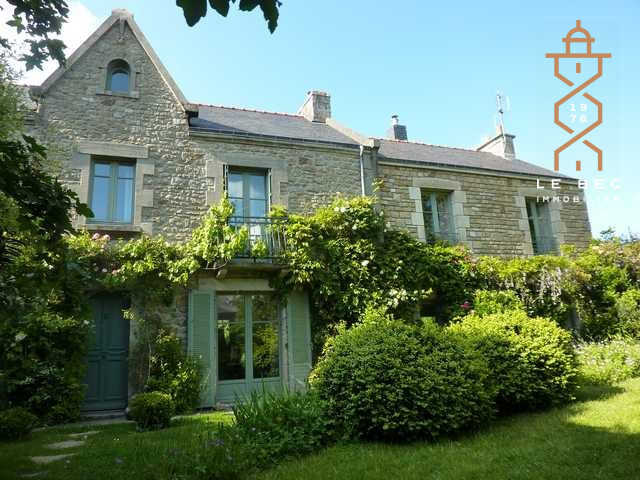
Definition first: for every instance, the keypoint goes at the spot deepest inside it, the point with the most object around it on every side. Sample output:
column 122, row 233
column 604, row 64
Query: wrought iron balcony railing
column 267, row 238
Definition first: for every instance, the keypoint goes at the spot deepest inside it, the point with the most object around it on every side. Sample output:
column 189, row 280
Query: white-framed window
column 438, row 216
column 539, row 218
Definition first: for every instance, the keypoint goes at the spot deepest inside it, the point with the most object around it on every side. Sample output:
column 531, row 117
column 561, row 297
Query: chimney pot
column 316, row 107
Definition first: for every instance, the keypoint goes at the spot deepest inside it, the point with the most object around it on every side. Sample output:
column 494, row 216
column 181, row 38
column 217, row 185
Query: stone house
column 148, row 161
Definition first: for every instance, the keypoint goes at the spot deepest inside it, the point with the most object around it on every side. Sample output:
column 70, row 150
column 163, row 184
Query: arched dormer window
column 118, row 76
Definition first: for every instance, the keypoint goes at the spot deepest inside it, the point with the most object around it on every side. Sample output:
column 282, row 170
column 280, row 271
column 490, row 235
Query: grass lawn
column 597, row 438
column 594, row 439
column 116, row 452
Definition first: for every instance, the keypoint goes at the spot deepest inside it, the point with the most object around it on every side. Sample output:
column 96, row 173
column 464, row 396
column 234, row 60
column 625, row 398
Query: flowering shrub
column 610, row 361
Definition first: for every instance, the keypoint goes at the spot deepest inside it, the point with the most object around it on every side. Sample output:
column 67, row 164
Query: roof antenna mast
column 502, row 105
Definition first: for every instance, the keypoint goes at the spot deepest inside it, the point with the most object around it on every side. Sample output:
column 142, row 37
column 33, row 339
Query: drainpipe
column 363, row 192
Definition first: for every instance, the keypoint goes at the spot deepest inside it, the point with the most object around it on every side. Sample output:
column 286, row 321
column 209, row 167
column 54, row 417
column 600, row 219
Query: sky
column 438, row 65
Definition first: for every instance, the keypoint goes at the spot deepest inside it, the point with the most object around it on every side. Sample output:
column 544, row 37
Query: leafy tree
column 40, row 20
column 10, row 104
column 40, row 205
column 194, row 10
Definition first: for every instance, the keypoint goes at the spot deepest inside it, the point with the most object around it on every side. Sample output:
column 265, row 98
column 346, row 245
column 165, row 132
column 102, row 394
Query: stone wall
column 303, row 176
column 76, row 110
column 489, row 210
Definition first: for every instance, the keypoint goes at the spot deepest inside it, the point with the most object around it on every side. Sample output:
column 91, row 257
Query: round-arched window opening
column 118, row 76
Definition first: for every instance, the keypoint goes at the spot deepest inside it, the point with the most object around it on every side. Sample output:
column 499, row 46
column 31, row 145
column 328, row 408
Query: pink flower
column 106, row 238
column 466, row 305
column 95, row 236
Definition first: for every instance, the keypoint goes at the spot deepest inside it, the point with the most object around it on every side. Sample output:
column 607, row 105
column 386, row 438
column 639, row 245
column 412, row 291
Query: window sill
column 133, row 94
column 113, row 227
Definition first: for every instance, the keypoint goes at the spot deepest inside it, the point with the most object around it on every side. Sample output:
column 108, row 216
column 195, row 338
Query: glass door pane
column 231, row 337
column 265, row 344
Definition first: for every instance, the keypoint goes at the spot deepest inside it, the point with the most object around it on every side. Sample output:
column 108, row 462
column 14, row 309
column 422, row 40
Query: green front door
column 248, row 344
column 106, row 377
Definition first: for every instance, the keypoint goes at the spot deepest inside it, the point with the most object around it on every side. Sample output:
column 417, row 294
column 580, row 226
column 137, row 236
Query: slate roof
column 257, row 123
column 458, row 157
column 253, row 123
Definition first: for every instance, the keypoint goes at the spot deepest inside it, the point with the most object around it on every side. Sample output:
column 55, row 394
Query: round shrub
column 384, row 379
column 151, row 410
column 16, row 423
column 532, row 359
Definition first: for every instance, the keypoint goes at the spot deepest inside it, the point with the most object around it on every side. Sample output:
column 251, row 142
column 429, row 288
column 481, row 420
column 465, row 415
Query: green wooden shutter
column 200, row 340
column 299, row 332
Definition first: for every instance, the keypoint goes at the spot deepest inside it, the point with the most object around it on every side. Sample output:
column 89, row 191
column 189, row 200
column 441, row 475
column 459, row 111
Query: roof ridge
column 249, row 110
column 434, row 145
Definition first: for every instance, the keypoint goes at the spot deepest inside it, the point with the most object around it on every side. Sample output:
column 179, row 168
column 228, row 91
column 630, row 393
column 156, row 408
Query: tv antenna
column 503, row 104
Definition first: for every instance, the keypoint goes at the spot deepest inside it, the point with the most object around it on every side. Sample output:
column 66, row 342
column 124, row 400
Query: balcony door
column 248, row 191
column 248, row 341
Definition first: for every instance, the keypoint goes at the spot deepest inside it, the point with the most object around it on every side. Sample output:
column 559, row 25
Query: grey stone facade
column 181, row 149
column 490, row 214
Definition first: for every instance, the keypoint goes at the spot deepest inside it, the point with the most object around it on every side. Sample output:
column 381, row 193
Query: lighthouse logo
column 580, row 112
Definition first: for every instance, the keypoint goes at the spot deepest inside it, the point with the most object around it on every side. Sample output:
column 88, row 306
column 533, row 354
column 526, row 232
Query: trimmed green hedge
column 532, row 360
column 385, row 379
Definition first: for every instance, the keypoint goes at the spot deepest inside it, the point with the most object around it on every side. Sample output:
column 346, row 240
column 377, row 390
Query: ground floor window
column 248, row 337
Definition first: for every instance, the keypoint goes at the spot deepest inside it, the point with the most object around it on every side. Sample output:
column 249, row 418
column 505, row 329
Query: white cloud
column 80, row 24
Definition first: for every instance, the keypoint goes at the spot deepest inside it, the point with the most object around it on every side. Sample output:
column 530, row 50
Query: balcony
column 267, row 238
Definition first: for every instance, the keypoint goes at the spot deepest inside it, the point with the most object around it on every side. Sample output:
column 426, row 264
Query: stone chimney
column 316, row 107
column 501, row 145
column 396, row 131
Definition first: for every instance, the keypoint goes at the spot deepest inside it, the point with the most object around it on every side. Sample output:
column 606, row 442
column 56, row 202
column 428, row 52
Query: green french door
column 248, row 344
column 107, row 372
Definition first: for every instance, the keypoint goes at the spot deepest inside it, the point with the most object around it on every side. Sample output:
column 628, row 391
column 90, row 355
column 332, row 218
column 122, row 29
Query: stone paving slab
column 33, row 475
column 65, row 444
column 50, row 458
column 83, row 434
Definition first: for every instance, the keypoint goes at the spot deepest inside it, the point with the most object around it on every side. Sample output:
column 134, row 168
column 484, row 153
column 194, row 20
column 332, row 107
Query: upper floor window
column 248, row 193
column 118, row 76
column 438, row 217
column 112, row 190
column 540, row 226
